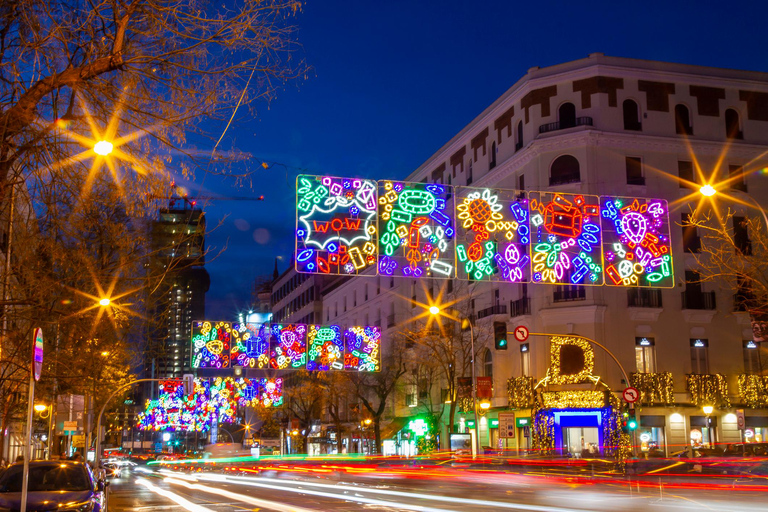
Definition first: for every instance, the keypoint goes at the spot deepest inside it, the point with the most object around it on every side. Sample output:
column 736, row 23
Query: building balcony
column 698, row 300
column 498, row 309
column 707, row 389
column 753, row 390
column 559, row 125
column 644, row 298
column 569, row 294
column 655, row 388
column 520, row 307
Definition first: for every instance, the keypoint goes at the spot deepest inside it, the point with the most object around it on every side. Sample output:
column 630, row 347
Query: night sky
column 392, row 81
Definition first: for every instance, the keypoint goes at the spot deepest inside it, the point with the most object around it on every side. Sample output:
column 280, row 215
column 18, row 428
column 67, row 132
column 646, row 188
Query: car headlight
column 85, row 506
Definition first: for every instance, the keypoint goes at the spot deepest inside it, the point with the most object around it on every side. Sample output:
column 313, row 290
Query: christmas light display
column 336, row 225
column 493, row 235
column 655, row 388
column 289, row 348
column 753, row 389
column 565, row 232
column 637, row 249
column 211, row 344
column 250, row 345
column 583, row 399
column 575, row 349
column 417, row 230
column 708, row 390
column 326, row 348
column 362, row 349
column 520, row 391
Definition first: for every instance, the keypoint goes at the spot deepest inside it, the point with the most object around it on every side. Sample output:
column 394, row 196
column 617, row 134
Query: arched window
column 683, row 120
column 492, row 158
column 567, row 115
column 565, row 169
column 488, row 363
column 519, row 143
column 631, row 116
column 469, row 172
column 732, row 130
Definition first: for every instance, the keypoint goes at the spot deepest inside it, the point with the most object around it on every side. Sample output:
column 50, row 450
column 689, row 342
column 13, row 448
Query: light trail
column 268, row 504
column 183, row 502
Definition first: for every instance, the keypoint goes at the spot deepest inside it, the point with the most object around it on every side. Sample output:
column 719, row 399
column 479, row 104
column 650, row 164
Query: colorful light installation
column 417, row 230
column 250, row 346
column 636, row 242
column 566, row 238
column 336, row 225
column 493, row 235
column 326, row 348
column 362, row 349
column 289, row 348
column 211, row 344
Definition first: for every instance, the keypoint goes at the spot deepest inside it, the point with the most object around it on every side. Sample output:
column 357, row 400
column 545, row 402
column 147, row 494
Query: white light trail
column 268, row 504
column 183, row 502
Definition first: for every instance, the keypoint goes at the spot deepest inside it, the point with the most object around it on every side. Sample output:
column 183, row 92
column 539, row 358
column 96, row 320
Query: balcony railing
column 570, row 294
column 498, row 309
column 559, row 125
column 708, row 389
column 644, row 298
column 562, row 180
column 698, row 300
column 520, row 307
column 753, row 390
column 655, row 388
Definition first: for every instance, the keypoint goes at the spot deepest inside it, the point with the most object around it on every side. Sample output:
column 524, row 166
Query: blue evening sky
column 392, row 81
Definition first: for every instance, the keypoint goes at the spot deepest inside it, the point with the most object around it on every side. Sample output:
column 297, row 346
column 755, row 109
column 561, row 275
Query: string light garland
column 464, row 404
column 520, row 392
column 555, row 373
column 708, row 390
column 655, row 388
column 753, row 390
column 573, row 399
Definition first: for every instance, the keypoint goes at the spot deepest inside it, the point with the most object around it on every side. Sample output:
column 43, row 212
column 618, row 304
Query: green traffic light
column 632, row 424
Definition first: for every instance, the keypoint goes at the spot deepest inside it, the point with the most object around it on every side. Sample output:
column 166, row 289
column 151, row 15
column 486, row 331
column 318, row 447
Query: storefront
column 703, row 433
column 756, row 429
column 650, row 438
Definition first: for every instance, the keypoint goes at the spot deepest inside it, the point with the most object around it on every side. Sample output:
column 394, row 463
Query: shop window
column 634, row 171
column 732, row 130
column 683, row 120
column 567, row 115
column 565, row 169
column 631, row 116
column 685, row 173
column 645, row 354
column 699, row 356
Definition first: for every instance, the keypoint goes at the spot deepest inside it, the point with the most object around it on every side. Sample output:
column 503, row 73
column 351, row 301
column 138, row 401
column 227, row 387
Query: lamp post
column 708, row 410
column 435, row 311
column 40, row 409
column 709, row 191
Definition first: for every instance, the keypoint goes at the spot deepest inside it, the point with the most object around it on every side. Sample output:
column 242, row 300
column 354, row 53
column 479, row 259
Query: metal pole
column 753, row 201
column 474, row 389
column 28, row 442
column 50, row 431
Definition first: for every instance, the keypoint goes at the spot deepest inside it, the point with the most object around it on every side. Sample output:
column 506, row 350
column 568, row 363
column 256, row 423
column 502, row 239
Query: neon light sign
column 636, row 242
column 566, row 245
column 417, row 230
column 250, row 346
column 326, row 348
column 289, row 350
column 336, row 225
column 211, row 342
column 363, row 345
column 493, row 235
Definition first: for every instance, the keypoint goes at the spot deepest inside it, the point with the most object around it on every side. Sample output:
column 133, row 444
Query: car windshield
column 46, row 478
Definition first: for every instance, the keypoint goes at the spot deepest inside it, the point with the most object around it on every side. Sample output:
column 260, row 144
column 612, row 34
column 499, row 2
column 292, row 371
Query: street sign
column 630, row 395
column 507, row 425
column 741, row 422
column 521, row 333
column 70, row 426
column 78, row 441
column 38, row 353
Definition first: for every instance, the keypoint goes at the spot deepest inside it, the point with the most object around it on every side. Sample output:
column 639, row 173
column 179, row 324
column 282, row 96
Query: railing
column 520, row 307
column 698, row 300
column 558, row 125
column 570, row 294
column 391, row 321
column 562, row 180
column 498, row 309
column 643, row 298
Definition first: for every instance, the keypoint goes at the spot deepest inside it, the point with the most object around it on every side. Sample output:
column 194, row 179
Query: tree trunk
column 377, row 434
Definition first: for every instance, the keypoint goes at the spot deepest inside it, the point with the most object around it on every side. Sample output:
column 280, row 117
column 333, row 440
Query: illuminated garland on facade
column 543, row 431
column 708, row 390
column 464, row 404
column 655, row 388
column 753, row 390
column 554, row 373
column 520, row 392
column 573, row 399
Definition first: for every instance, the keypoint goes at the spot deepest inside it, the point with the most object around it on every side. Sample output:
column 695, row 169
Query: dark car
column 64, row 486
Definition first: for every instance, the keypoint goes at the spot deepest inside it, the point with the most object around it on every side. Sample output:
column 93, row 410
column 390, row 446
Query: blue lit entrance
column 578, row 433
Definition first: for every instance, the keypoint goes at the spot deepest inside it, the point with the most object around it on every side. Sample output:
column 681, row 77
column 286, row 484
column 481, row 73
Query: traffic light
column 500, row 335
column 631, row 421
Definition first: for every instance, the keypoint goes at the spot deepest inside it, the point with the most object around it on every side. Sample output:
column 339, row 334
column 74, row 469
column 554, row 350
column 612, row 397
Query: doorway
column 581, row 442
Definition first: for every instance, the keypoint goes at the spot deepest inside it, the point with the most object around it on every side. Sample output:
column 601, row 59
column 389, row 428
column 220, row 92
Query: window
column 634, row 171
column 682, row 120
column 488, row 363
column 699, row 359
column 741, row 236
column 567, row 115
column 732, row 130
column 391, row 282
column 519, row 141
column 365, row 292
column 354, row 298
column 469, row 172
column 525, row 359
column 565, row 169
column 631, row 116
column 521, row 182
column 645, row 355
column 336, row 305
column 449, row 288
column 492, row 158
column 752, row 363
column 378, row 285
column 691, row 240
column 345, row 304
column 569, row 292
column 685, row 173
column 736, row 178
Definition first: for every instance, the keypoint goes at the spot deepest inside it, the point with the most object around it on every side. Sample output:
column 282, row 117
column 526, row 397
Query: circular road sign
column 630, row 395
column 521, row 333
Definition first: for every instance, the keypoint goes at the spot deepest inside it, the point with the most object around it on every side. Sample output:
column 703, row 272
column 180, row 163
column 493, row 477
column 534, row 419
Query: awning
column 395, row 426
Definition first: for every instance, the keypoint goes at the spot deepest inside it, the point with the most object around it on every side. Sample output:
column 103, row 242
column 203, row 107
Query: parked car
column 54, row 485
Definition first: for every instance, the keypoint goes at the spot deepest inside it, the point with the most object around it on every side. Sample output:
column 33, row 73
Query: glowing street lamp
column 105, row 302
column 435, row 311
column 707, row 409
column 40, row 407
column 708, row 190
column 103, row 147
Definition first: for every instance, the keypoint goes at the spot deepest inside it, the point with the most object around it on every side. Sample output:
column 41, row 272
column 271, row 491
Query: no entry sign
column 630, row 395
column 521, row 333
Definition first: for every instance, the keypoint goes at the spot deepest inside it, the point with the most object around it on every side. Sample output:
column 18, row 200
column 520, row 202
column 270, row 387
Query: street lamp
column 435, row 311
column 105, row 302
column 103, row 147
column 709, row 191
column 708, row 410
column 40, row 409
